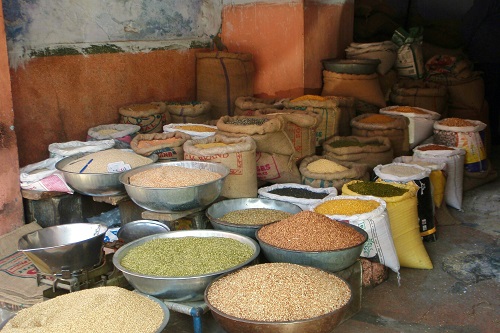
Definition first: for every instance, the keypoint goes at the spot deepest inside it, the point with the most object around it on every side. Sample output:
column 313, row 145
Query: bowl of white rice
column 97, row 174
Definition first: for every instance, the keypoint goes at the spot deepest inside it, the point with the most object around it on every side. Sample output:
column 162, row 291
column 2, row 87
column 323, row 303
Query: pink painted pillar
column 11, row 209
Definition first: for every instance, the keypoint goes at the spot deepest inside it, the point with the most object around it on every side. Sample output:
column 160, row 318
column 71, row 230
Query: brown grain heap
column 456, row 122
column 172, row 176
column 310, row 231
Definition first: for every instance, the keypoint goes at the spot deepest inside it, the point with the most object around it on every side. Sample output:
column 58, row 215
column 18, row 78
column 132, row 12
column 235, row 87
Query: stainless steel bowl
column 351, row 66
column 93, row 184
column 321, row 324
column 221, row 208
column 71, row 247
column 185, row 289
column 140, row 228
column 174, row 199
column 332, row 261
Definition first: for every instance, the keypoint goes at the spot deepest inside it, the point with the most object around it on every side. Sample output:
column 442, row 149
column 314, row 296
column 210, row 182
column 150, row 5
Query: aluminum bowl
column 175, row 199
column 93, row 184
column 221, row 208
column 72, row 247
column 184, row 289
column 321, row 324
column 332, row 261
column 351, row 66
column 140, row 228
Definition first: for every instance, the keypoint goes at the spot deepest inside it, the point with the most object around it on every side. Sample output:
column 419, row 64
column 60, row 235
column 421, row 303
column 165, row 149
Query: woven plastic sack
column 385, row 51
column 304, row 203
column 380, row 243
column 121, row 133
column 70, row 148
column 410, row 58
column 403, row 218
column 43, row 176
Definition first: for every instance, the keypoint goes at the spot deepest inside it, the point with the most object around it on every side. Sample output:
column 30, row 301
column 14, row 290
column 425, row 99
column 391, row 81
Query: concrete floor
column 460, row 295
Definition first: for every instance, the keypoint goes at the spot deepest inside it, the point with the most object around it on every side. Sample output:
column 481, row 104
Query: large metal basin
column 351, row 66
column 332, row 261
column 189, row 288
column 93, row 184
column 221, row 208
column 175, row 199
column 72, row 247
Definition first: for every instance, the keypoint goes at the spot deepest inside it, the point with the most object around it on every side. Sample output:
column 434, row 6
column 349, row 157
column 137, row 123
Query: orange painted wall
column 11, row 209
column 274, row 34
column 58, row 98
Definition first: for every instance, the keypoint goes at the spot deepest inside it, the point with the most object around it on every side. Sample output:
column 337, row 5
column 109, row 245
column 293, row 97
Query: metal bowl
column 332, row 261
column 72, row 247
column 185, row 289
column 93, row 184
column 140, row 228
column 221, row 208
column 174, row 199
column 321, row 324
column 351, row 66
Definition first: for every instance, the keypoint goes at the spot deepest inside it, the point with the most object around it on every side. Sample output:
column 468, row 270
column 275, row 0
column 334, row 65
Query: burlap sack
column 248, row 105
column 270, row 137
column 300, row 128
column 277, row 168
column 147, row 144
column 360, row 86
column 371, row 151
column 200, row 119
column 149, row 116
column 238, row 155
column 396, row 131
column 464, row 92
column 347, row 112
column 355, row 171
column 188, row 109
column 221, row 77
column 419, row 93
column 327, row 109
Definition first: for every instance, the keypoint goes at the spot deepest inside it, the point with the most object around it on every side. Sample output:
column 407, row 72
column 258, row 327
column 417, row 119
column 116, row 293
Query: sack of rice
column 401, row 203
column 393, row 127
column 370, row 214
column 327, row 109
column 421, row 122
column 238, row 154
column 248, row 105
column 371, row 151
column 168, row 146
column 149, row 116
column 70, row 148
column 324, row 171
column 122, row 134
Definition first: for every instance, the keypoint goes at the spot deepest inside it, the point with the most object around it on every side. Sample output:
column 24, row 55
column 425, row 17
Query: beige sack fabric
column 168, row 146
column 419, row 93
column 238, row 154
column 363, row 87
column 221, row 77
column 347, row 112
column 149, row 116
column 248, row 105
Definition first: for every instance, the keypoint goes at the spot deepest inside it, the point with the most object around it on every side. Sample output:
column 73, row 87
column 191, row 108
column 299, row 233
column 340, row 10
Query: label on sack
column 118, row 167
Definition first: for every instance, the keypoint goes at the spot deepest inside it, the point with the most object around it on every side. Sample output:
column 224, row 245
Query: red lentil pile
column 377, row 119
column 409, row 109
column 310, row 231
column 434, row 147
column 456, row 122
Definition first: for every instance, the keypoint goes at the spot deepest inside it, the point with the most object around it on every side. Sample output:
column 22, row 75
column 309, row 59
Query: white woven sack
column 455, row 160
column 421, row 126
column 70, row 148
column 303, row 203
column 376, row 224
column 43, row 176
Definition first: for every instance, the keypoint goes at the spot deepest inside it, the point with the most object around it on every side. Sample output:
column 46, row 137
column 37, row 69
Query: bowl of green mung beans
column 247, row 215
column 179, row 265
column 168, row 187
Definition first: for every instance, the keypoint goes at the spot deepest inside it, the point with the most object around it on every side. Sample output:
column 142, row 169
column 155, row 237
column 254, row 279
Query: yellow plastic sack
column 438, row 182
column 403, row 218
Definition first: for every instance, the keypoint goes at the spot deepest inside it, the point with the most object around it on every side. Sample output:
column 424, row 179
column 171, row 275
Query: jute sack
column 238, row 154
column 419, row 93
column 464, row 93
column 365, row 87
column 277, row 168
column 196, row 112
column 332, row 179
column 380, row 244
column 300, row 128
column 403, row 218
column 168, row 146
column 396, row 130
column 347, row 112
column 248, row 105
column 149, row 116
column 200, row 119
column 221, row 77
column 269, row 133
column 367, row 150
column 327, row 109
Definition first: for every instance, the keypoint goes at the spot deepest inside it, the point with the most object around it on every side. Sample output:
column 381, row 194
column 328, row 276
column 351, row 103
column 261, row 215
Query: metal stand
column 194, row 309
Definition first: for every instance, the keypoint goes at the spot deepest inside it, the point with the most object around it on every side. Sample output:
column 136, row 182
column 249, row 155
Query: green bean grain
column 186, row 256
column 377, row 189
column 255, row 216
